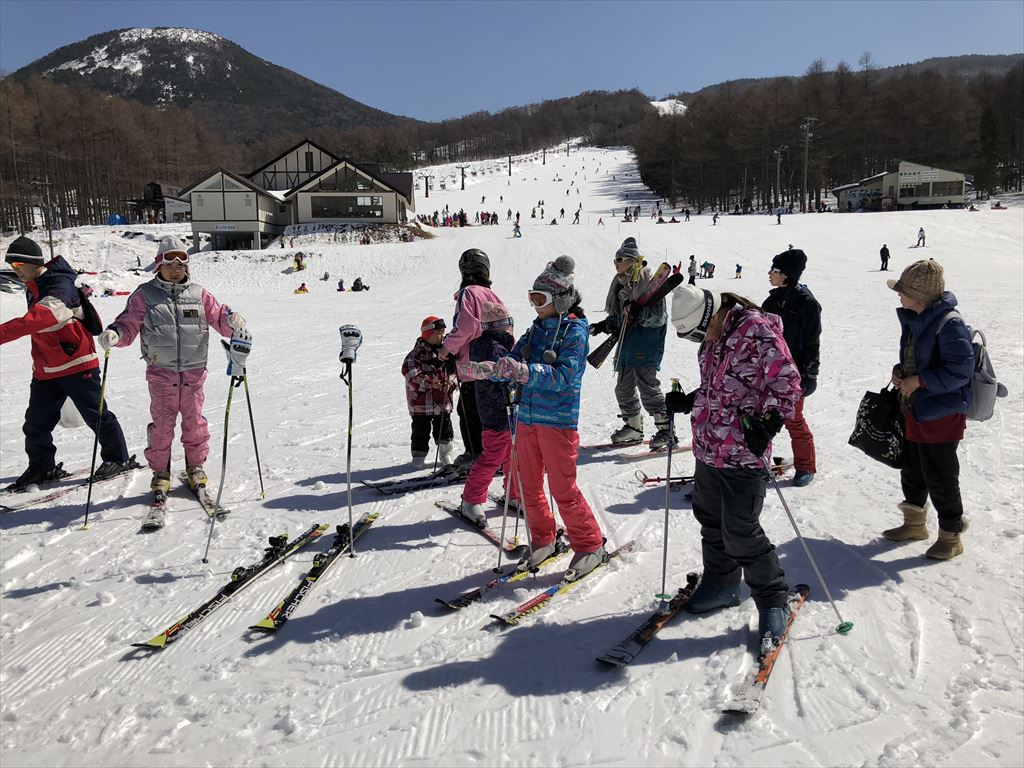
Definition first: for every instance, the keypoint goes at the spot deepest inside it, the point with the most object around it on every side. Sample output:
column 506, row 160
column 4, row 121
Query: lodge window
column 309, row 162
column 947, row 188
column 361, row 207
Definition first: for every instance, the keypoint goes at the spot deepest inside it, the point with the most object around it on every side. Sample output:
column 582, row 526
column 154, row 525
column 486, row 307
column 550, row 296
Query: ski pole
column 96, row 438
column 346, row 376
column 664, row 596
column 255, row 445
column 844, row 626
column 510, row 408
column 234, row 382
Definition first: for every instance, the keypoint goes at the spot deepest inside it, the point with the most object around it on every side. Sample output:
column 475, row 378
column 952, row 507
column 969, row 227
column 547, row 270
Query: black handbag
column 878, row 430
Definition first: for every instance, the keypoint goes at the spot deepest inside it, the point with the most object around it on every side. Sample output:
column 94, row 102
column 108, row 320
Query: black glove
column 808, row 384
column 601, row 327
column 449, row 364
column 680, row 402
column 759, row 432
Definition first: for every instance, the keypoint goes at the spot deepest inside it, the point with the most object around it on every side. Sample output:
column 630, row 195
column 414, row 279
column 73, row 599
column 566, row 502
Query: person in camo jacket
column 429, row 387
column 173, row 316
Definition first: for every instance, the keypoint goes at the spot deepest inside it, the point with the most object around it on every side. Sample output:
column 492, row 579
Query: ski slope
column 368, row 672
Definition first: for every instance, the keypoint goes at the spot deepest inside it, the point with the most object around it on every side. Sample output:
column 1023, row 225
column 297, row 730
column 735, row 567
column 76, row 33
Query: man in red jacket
column 64, row 364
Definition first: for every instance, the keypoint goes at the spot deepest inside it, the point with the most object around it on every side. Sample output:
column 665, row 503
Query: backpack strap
column 946, row 318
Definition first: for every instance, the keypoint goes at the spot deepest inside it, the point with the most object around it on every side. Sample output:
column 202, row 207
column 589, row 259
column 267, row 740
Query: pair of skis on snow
column 72, row 481
column 156, row 517
column 443, row 477
column 280, row 549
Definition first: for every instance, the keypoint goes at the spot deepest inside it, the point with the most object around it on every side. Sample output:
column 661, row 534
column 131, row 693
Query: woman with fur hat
column 640, row 349
column 474, row 292
column 547, row 364
column 64, row 366
column 749, row 386
column 933, row 375
column 801, row 326
column 172, row 317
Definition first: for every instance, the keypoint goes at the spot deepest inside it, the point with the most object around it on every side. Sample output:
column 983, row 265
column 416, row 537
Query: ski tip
column 612, row 662
column 267, row 625
column 157, row 643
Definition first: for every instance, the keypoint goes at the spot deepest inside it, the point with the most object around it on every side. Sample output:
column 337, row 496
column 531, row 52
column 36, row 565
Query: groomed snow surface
column 369, row 672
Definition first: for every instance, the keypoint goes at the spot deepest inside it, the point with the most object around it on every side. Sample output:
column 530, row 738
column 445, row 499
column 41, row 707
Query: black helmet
column 475, row 262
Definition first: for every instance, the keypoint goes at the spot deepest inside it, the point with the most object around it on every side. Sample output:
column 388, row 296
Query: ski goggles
column 175, row 257
column 437, row 325
column 540, row 299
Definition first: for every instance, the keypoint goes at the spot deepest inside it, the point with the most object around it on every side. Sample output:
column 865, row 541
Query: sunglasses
column 176, row 257
column 774, row 271
column 540, row 299
column 620, row 259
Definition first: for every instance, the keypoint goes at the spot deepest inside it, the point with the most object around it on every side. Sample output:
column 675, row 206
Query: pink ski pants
column 171, row 393
column 497, row 452
column 554, row 450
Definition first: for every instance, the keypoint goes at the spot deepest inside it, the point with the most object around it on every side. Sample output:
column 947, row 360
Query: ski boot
column 771, row 626
column 161, row 483
column 444, row 454
column 711, row 595
column 111, row 468
column 539, row 555
column 34, row 476
column 196, row 477
column 664, row 433
column 474, row 513
column 631, row 432
column 583, row 563
column 802, row 478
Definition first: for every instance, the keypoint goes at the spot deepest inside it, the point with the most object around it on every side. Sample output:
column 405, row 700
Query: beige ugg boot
column 948, row 546
column 913, row 528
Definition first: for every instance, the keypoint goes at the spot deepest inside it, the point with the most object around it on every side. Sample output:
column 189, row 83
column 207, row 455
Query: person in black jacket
column 801, row 321
column 884, row 255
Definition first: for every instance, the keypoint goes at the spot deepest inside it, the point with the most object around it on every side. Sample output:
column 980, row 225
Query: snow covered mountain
column 234, row 91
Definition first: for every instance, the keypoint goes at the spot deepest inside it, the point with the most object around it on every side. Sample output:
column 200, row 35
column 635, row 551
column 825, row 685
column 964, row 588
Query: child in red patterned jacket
column 429, row 386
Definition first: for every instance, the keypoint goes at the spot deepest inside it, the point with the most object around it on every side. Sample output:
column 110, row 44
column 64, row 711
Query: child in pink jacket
column 172, row 316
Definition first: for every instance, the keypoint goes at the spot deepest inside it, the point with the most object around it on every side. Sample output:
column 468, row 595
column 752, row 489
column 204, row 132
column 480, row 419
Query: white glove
column 351, row 340
column 236, row 321
column 238, row 350
column 109, row 339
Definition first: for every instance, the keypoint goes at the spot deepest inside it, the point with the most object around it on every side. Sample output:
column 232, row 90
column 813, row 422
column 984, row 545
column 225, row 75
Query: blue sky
column 434, row 60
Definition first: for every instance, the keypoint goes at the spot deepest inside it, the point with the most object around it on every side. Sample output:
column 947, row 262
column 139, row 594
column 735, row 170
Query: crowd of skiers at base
column 758, row 365
column 754, row 370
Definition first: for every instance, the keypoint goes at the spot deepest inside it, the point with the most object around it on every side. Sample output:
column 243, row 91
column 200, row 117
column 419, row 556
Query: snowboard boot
column 914, row 527
column 583, row 563
column 35, row 476
column 631, row 432
column 664, row 433
column 196, row 477
column 948, row 546
column 445, row 454
column 771, row 626
column 419, row 460
column 161, row 483
column 474, row 513
column 711, row 595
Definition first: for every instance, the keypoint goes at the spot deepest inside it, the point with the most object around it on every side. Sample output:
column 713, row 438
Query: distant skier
column 516, row 232
column 714, row 220
column 739, row 272
column 920, row 238
column 884, row 254
column 691, row 270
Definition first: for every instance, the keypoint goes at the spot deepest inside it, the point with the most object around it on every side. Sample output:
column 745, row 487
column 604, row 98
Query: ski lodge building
column 909, row 186
column 303, row 185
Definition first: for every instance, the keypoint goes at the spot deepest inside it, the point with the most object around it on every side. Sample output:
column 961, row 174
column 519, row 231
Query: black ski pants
column 727, row 503
column 423, row 426
column 469, row 420
column 46, row 398
column 932, row 469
